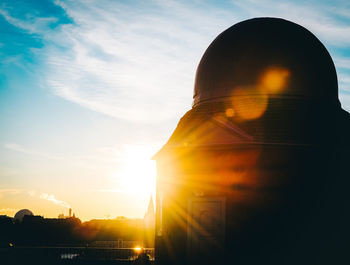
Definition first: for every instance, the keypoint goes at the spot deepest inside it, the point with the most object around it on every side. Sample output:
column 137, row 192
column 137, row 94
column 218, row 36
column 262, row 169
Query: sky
column 90, row 90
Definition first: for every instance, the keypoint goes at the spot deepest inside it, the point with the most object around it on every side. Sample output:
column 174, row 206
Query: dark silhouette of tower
column 150, row 208
column 149, row 225
column 256, row 172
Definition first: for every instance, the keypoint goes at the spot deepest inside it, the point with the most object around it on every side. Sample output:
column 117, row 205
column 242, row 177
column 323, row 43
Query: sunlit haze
column 91, row 90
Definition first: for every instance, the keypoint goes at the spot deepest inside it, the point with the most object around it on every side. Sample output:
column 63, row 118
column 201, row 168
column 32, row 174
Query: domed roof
column 266, row 55
column 20, row 214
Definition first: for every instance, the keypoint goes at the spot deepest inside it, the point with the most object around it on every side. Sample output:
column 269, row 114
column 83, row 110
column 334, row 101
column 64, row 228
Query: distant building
column 5, row 219
column 20, row 215
column 62, row 216
column 33, row 219
column 5, row 216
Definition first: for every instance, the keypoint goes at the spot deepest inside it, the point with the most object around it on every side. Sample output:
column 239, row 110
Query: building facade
column 255, row 172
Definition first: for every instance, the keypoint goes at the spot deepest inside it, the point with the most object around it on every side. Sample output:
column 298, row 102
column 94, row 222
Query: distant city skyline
column 149, row 214
column 89, row 91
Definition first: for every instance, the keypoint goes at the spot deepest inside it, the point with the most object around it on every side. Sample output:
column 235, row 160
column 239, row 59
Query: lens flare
column 229, row 112
column 274, row 80
column 249, row 103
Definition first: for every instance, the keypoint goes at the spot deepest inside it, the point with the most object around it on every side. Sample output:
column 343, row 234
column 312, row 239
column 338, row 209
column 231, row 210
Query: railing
column 65, row 254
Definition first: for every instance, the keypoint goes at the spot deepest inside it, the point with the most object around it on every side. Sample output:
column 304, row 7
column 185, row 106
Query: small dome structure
column 20, row 214
column 268, row 55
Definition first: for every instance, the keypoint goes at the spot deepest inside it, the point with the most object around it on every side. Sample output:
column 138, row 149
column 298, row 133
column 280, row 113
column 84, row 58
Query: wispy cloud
column 31, row 193
column 51, row 198
column 34, row 25
column 8, row 210
column 6, row 172
column 31, row 152
column 21, row 149
column 345, row 101
column 10, row 191
column 103, row 159
column 326, row 21
column 342, row 62
column 6, row 192
column 345, row 81
column 131, row 64
column 138, row 64
column 34, row 194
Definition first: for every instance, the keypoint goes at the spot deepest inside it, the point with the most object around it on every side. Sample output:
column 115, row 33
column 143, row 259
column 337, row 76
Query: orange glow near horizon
column 127, row 178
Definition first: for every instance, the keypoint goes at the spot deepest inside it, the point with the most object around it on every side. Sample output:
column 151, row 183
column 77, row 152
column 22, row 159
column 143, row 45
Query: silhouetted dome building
column 21, row 213
column 259, row 72
column 240, row 56
column 255, row 172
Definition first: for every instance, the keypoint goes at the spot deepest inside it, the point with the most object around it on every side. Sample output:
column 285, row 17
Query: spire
column 150, row 209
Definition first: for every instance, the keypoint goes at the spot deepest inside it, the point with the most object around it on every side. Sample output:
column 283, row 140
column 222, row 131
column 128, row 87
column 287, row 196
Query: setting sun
column 137, row 249
column 138, row 174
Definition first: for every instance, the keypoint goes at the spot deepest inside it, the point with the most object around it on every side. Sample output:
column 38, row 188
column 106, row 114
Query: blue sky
column 87, row 85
